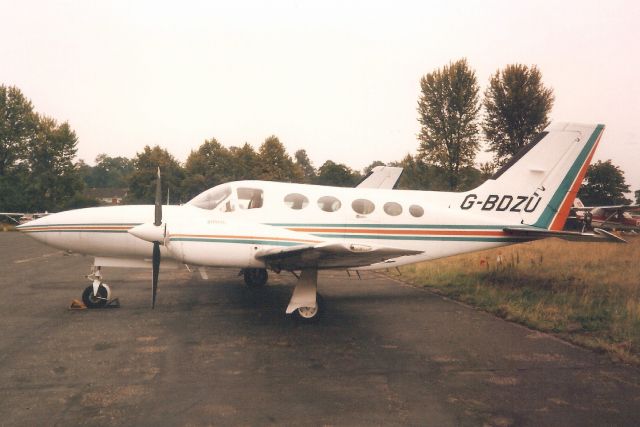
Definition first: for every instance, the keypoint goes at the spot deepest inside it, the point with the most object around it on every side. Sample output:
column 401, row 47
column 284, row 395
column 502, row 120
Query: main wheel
column 310, row 314
column 255, row 277
column 96, row 301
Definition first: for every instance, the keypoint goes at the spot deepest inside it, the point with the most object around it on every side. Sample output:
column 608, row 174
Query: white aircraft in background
column 258, row 226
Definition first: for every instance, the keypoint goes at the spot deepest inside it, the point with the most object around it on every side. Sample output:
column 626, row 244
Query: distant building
column 107, row 196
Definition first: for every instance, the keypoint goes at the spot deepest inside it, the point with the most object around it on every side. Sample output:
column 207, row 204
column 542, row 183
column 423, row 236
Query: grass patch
column 588, row 293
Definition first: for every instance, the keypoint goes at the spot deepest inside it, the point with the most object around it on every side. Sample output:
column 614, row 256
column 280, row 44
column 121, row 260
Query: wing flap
column 329, row 255
column 598, row 235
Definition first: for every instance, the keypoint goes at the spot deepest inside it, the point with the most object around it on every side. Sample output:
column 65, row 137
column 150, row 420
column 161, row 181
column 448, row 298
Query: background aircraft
column 612, row 217
column 22, row 217
column 259, row 226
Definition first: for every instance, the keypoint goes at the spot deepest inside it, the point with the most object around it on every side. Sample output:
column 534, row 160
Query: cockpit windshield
column 211, row 198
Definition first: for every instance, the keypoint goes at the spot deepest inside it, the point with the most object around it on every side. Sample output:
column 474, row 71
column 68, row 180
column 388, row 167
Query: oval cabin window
column 363, row 206
column 296, row 201
column 416, row 211
column 329, row 203
column 392, row 208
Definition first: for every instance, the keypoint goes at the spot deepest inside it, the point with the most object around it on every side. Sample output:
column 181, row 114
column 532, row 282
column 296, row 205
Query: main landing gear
column 98, row 294
column 255, row 277
column 306, row 304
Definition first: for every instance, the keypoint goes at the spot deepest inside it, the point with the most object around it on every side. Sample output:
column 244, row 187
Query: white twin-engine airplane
column 258, row 226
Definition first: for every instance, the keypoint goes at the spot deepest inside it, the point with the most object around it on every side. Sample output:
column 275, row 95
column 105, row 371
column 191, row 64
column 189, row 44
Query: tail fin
column 538, row 186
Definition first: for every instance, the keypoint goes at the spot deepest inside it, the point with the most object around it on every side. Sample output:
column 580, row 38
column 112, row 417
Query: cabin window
column 250, row 198
column 392, row 208
column 210, row 199
column 416, row 211
column 296, row 201
column 329, row 203
column 363, row 206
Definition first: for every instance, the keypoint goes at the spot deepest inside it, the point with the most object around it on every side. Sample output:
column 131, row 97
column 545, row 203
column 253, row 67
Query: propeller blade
column 158, row 216
column 155, row 262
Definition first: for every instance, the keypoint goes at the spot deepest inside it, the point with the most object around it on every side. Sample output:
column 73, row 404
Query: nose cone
column 149, row 232
column 38, row 228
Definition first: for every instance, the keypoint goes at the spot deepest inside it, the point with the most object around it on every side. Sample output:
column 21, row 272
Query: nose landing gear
column 98, row 294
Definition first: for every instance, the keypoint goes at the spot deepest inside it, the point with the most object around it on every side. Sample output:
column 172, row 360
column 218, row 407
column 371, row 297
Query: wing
column 598, row 235
column 611, row 208
column 329, row 255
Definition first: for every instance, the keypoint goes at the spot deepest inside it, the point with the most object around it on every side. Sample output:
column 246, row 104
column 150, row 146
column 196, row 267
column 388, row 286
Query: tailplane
column 538, row 186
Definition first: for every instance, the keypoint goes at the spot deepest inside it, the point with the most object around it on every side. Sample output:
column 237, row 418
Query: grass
column 587, row 293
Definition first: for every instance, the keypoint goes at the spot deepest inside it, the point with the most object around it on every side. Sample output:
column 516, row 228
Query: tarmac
column 215, row 352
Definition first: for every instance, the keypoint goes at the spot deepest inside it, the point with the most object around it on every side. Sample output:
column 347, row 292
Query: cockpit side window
column 250, row 198
column 211, row 198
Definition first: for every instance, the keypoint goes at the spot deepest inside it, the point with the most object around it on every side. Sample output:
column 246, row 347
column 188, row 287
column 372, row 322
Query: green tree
column 54, row 179
column 306, row 167
column 211, row 164
column 337, row 174
column 448, row 108
column 18, row 126
column 604, row 184
column 637, row 193
column 517, row 108
column 110, row 172
column 373, row 164
column 275, row 163
column 245, row 162
column 142, row 180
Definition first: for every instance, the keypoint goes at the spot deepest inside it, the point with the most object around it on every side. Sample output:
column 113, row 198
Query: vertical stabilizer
column 538, row 186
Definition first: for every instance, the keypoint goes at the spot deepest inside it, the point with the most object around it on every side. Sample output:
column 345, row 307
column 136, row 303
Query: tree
column 275, row 163
column 517, row 108
column 637, row 193
column 142, row 182
column 109, row 172
column 305, row 166
column 54, row 178
column 245, row 162
column 448, row 109
column 373, row 164
column 337, row 174
column 211, row 164
column 18, row 125
column 604, row 184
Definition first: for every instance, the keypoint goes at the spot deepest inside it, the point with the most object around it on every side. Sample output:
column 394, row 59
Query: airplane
column 23, row 217
column 258, row 226
column 611, row 217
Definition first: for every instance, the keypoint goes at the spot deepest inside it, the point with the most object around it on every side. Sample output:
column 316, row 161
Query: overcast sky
column 337, row 78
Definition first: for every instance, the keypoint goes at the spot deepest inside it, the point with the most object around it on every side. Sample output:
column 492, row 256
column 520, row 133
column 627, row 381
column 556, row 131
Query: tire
column 255, row 277
column 97, row 301
column 307, row 315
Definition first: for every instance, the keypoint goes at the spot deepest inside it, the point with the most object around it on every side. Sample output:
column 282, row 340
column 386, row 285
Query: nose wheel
column 99, row 299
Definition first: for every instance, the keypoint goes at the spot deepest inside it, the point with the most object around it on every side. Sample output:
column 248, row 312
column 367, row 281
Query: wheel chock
column 77, row 305
column 113, row 303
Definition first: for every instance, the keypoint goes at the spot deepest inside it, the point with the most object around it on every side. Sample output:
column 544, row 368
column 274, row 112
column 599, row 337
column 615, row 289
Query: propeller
column 155, row 233
column 155, row 260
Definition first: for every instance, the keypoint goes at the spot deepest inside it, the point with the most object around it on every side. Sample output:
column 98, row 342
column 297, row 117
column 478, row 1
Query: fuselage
column 228, row 224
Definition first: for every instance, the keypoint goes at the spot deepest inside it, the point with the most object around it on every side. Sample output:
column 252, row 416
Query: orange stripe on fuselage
column 563, row 212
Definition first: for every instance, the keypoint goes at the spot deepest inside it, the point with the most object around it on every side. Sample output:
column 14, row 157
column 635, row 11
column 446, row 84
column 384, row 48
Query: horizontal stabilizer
column 598, row 235
column 332, row 255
